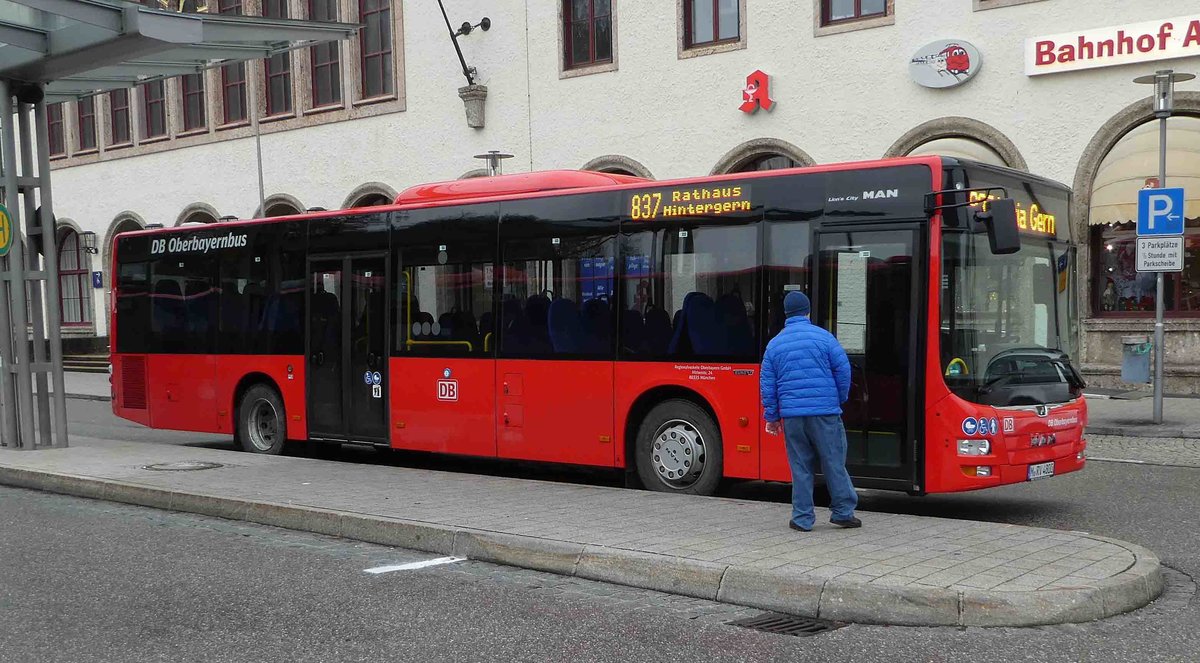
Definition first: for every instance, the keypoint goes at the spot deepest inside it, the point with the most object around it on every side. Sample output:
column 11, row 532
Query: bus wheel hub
column 678, row 454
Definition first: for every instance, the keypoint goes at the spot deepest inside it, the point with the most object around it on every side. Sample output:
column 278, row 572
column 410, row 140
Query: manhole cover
column 182, row 466
column 787, row 624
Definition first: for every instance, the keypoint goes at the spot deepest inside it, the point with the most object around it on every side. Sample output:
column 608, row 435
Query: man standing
column 805, row 378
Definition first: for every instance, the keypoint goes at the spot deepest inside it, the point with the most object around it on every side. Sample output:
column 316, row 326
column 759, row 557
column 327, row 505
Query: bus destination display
column 1031, row 218
column 690, row 201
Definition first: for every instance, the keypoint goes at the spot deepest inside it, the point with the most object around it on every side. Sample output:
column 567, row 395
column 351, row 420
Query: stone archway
column 760, row 148
column 197, row 213
column 369, row 195
column 943, row 128
column 280, row 204
column 615, row 163
column 126, row 221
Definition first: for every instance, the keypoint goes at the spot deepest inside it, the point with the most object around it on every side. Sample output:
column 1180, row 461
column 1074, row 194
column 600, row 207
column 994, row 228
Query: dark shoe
column 798, row 528
column 848, row 524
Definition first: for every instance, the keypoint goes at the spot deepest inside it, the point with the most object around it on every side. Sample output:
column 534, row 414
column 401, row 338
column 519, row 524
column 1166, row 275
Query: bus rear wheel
column 262, row 427
column 678, row 449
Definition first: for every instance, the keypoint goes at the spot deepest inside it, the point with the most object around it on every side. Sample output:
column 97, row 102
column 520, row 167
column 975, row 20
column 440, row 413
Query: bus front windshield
column 1008, row 321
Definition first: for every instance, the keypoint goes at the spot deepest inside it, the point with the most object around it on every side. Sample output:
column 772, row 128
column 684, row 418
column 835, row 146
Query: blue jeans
column 822, row 438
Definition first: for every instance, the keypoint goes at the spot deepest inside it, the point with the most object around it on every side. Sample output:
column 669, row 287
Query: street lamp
column 88, row 238
column 1164, row 81
column 493, row 158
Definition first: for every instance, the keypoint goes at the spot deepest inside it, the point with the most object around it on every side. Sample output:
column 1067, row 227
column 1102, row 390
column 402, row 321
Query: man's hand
column 773, row 427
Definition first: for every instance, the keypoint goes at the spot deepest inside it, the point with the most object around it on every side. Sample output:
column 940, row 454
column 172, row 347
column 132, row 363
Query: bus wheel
column 679, row 449
column 262, row 427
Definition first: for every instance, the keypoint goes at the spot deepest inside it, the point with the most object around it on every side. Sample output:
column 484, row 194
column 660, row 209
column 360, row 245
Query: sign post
column 1160, row 213
column 1160, row 249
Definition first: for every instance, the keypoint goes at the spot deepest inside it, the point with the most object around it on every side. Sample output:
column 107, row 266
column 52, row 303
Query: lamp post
column 1164, row 103
column 493, row 158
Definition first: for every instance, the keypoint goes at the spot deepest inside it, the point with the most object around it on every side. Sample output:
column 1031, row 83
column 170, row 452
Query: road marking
column 1121, row 460
column 412, row 566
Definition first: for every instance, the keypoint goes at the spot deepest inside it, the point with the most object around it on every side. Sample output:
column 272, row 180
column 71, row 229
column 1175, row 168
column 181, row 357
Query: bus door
column 866, row 295
column 347, row 348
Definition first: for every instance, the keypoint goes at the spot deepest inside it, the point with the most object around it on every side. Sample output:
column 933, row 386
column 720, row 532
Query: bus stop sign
column 6, row 231
column 1160, row 212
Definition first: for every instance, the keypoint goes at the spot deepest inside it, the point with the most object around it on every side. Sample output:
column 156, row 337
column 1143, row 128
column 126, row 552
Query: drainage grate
column 773, row 622
column 183, row 466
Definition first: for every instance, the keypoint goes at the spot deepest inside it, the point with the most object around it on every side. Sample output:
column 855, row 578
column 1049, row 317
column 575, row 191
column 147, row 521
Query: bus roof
column 547, row 182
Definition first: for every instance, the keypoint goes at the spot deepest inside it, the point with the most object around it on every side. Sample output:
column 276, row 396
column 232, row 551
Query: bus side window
column 696, row 290
column 788, row 255
column 444, row 302
column 557, row 297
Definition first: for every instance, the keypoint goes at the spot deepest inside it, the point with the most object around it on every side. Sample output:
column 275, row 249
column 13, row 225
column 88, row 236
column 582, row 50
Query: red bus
column 604, row 320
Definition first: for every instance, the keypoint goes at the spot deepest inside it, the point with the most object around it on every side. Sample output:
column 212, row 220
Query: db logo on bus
column 447, row 390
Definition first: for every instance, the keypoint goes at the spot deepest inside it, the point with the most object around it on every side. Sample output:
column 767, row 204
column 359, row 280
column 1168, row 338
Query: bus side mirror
column 1001, row 221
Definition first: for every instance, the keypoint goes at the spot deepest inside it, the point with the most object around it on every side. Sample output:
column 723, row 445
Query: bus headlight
column 974, row 447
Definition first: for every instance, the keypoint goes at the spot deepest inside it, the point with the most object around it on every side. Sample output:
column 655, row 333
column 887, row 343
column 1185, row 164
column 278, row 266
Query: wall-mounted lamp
column 472, row 94
column 88, row 239
column 227, row 217
column 153, row 226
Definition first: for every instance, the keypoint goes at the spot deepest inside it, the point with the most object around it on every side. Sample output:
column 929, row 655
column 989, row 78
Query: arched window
column 372, row 200
column 282, row 209
column 199, row 216
column 765, row 162
column 74, row 280
column 960, row 147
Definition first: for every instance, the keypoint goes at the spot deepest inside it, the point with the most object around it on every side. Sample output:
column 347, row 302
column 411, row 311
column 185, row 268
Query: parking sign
column 1160, row 212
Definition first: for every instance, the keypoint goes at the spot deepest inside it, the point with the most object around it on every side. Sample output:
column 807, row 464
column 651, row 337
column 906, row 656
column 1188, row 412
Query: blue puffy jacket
column 805, row 372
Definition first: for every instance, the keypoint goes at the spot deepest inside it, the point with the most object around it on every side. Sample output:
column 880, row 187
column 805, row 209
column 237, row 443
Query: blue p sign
column 1160, row 212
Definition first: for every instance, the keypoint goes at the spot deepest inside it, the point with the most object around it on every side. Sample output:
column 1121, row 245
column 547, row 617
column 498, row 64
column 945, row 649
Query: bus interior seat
column 565, row 327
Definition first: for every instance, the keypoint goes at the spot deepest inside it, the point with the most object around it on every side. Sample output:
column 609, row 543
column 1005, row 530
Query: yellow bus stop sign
column 6, row 231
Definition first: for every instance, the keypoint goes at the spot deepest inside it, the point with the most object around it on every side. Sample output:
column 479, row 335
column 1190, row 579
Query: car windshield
column 1008, row 322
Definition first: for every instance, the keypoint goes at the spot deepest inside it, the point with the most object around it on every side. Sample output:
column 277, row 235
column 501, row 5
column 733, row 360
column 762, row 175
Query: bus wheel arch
column 685, row 419
column 261, row 393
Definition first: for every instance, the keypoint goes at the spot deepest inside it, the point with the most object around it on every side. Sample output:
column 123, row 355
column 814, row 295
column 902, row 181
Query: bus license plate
column 1041, row 470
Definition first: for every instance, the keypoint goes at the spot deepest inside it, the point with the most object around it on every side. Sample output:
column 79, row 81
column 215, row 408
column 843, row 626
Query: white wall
column 839, row 97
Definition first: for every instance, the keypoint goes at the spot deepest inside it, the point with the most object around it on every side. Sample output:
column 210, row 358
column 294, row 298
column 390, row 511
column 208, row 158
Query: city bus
column 610, row 321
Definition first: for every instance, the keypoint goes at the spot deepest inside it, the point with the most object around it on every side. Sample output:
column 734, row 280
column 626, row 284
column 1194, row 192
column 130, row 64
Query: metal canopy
column 79, row 47
column 56, row 50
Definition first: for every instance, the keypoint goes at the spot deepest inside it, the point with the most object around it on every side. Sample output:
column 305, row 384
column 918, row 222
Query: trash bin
column 1135, row 359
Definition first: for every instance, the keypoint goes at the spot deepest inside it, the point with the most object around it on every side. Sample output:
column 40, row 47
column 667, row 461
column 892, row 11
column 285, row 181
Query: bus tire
column 262, row 426
column 678, row 449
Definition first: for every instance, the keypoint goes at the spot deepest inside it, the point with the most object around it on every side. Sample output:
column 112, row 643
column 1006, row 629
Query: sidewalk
column 897, row 569
column 1133, row 417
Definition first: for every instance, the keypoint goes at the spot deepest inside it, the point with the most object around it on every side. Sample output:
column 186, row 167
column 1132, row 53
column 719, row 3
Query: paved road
column 1152, row 505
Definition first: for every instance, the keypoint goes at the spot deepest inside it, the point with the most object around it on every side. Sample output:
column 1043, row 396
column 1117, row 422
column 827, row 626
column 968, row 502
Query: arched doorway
column 959, row 137
column 618, row 165
column 960, row 147
column 124, row 222
column 372, row 200
column 197, row 213
column 280, row 204
column 762, row 154
column 1118, row 290
column 369, row 194
column 74, row 280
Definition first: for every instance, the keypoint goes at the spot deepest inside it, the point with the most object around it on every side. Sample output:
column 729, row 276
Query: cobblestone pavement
column 1178, row 451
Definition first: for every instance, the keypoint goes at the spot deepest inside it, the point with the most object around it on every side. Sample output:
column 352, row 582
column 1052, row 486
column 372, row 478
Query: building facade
column 662, row 89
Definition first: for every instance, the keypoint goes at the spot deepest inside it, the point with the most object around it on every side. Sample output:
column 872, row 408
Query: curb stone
column 764, row 589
